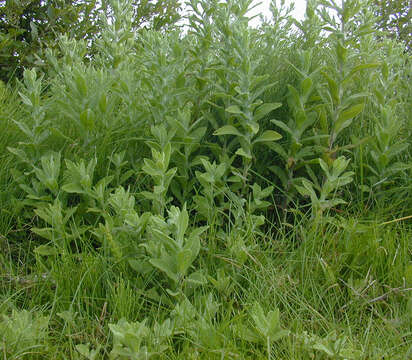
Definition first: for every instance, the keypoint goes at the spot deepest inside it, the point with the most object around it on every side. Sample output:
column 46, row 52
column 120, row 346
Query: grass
column 349, row 279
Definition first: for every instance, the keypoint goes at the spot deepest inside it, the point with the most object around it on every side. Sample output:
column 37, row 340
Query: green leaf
column 84, row 350
column 346, row 116
column 234, row 109
column 333, row 88
column 265, row 109
column 87, row 119
column 183, row 260
column 45, row 250
column 103, row 103
column 363, row 67
column 253, row 126
column 241, row 152
column 268, row 135
column 351, row 112
column 259, row 319
column 25, row 99
column 324, row 166
column 72, row 188
column 197, row 278
column 193, row 244
column 282, row 125
column 321, row 347
column 246, row 333
column 46, row 233
column 81, row 85
column 306, row 86
column 19, row 153
column 227, row 130
column 166, row 266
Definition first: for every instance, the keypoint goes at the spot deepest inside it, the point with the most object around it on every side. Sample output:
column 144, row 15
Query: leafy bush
column 170, row 179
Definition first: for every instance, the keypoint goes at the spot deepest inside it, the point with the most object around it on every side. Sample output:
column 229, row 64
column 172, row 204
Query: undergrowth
column 217, row 191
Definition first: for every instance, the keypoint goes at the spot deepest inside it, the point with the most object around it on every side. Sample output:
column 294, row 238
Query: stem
column 288, row 186
column 246, row 167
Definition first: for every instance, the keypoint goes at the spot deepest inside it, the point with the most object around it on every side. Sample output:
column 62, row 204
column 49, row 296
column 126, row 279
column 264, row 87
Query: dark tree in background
column 27, row 26
column 395, row 17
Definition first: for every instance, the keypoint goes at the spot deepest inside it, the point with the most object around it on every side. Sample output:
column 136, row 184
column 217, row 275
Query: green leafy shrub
column 173, row 182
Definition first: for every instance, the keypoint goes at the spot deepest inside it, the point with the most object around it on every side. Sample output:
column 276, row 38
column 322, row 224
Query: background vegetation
column 217, row 191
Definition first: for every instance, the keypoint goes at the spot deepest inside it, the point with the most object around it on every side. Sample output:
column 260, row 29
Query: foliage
column 29, row 27
column 394, row 18
column 22, row 334
column 220, row 192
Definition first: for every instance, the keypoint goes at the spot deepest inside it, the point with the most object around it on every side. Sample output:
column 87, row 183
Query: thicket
column 29, row 27
column 174, row 193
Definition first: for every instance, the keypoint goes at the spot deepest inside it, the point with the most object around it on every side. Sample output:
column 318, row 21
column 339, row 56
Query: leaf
column 346, row 116
column 306, row 189
column 183, row 260
column 264, row 109
column 87, row 119
column 247, row 334
column 351, row 112
column 260, row 320
column 253, row 126
column 103, row 103
column 84, row 350
column 72, row 188
column 321, row 347
column 19, row 153
column 197, row 278
column 333, row 88
column 25, row 99
column 81, row 85
column 46, row 233
column 45, row 250
column 227, row 130
column 282, row 125
column 34, row 32
column 126, row 176
column 306, row 86
column 25, row 129
column 324, row 166
column 141, row 267
column 279, row 334
column 363, row 67
column 193, row 244
column 166, row 266
column 234, row 109
column 241, row 152
column 268, row 135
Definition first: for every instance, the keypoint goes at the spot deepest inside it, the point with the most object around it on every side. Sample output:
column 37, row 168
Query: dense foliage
column 28, row 27
column 217, row 192
column 395, row 17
